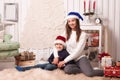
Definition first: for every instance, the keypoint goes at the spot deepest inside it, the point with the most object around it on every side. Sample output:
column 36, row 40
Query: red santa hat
column 61, row 40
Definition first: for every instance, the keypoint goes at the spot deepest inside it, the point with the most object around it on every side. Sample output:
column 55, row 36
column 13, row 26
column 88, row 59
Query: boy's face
column 59, row 46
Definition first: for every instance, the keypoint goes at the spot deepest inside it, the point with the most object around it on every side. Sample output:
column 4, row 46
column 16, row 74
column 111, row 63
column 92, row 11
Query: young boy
column 62, row 54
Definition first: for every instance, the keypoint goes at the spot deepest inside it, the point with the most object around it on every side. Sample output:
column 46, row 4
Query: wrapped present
column 112, row 71
column 106, row 61
column 102, row 55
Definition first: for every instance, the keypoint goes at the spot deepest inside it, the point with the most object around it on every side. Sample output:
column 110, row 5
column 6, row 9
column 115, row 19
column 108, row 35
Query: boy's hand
column 55, row 60
column 61, row 64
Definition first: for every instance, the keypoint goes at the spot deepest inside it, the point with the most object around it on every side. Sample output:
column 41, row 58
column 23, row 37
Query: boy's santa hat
column 74, row 15
column 61, row 40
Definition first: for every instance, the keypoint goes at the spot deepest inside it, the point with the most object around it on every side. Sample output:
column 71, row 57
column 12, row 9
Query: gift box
column 101, row 55
column 106, row 61
column 112, row 71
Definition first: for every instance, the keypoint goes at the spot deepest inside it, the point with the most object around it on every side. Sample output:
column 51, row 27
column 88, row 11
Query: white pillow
column 1, row 35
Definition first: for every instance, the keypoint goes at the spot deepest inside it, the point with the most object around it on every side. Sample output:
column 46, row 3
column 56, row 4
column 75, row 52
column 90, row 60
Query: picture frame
column 11, row 12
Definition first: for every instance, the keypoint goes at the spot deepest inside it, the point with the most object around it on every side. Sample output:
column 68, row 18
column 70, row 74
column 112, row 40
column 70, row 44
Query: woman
column 75, row 44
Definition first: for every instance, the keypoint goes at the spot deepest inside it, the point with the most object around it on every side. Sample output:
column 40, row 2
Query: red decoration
column 94, row 4
column 102, row 55
column 112, row 71
column 89, row 5
column 84, row 5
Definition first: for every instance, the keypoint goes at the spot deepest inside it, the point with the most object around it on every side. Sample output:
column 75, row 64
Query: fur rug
column 39, row 74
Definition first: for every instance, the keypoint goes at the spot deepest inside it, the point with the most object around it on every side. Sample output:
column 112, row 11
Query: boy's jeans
column 46, row 66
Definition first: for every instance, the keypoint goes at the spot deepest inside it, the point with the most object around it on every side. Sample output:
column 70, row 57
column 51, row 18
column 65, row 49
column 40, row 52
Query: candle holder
column 88, row 13
column 88, row 16
column 89, row 9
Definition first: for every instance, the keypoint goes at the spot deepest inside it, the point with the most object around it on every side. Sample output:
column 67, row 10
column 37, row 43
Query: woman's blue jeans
column 46, row 66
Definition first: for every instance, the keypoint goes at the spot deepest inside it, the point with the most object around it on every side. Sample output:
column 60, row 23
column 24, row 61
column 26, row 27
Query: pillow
column 7, row 37
column 1, row 35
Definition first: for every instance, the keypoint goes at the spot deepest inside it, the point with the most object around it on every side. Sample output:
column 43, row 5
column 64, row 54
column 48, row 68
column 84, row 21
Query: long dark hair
column 69, row 30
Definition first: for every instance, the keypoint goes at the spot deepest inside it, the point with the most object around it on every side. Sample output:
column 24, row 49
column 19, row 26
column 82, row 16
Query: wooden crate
column 26, row 63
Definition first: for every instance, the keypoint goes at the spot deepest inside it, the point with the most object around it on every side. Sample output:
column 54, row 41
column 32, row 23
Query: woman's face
column 72, row 23
column 59, row 46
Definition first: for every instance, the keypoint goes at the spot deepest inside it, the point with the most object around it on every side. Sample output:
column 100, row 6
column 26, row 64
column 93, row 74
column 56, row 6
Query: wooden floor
column 6, row 65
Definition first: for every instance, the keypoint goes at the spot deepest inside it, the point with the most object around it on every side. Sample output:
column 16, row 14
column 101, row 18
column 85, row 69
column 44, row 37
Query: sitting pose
column 75, row 44
column 62, row 54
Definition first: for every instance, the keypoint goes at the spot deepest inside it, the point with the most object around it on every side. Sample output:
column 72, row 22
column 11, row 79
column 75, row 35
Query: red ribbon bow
column 102, row 55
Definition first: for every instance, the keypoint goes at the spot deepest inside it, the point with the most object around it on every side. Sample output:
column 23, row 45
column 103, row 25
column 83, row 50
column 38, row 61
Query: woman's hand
column 55, row 60
column 61, row 64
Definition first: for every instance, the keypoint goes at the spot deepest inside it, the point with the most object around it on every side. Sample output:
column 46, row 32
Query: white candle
column 87, row 6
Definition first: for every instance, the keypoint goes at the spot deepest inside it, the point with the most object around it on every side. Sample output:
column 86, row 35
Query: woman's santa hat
column 74, row 15
column 61, row 40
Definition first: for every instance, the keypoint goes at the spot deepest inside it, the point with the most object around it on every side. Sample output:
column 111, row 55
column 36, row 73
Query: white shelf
column 9, row 23
column 10, row 27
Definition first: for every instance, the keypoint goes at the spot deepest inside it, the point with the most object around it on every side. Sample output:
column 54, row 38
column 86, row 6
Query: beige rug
column 39, row 74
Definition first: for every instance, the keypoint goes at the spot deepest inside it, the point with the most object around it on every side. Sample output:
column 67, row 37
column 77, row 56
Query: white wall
column 9, row 29
column 109, row 11
column 41, row 20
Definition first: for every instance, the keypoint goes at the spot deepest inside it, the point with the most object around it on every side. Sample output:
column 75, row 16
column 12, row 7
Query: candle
column 84, row 5
column 89, row 5
column 94, row 4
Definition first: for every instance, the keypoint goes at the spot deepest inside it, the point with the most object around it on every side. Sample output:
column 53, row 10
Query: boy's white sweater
column 75, row 49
